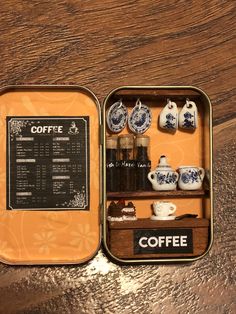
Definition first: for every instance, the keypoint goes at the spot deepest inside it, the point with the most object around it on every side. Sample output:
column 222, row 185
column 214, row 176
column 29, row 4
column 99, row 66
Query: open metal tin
column 140, row 241
column 54, row 204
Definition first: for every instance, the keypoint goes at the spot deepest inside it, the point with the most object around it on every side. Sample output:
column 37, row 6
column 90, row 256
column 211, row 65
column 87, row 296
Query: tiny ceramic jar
column 163, row 178
column 190, row 177
column 164, row 209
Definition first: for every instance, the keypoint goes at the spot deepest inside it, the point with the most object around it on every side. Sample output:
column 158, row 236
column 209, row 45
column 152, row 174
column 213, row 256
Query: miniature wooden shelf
column 156, row 194
column 147, row 223
column 123, row 242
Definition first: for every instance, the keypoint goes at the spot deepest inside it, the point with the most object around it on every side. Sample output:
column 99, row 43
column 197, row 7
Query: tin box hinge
column 101, row 214
column 101, row 139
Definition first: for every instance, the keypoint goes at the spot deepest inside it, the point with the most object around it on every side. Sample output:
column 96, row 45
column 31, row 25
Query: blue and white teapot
column 163, row 178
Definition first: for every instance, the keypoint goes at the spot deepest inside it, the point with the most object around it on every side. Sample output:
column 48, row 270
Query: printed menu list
column 48, row 163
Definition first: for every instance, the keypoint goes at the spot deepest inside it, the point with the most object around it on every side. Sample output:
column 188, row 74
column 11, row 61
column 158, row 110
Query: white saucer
column 153, row 217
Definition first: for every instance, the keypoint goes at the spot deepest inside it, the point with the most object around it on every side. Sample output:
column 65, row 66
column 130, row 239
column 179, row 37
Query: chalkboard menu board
column 48, row 163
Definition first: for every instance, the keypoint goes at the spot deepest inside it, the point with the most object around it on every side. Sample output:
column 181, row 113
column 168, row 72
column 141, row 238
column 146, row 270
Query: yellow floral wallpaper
column 180, row 148
column 44, row 237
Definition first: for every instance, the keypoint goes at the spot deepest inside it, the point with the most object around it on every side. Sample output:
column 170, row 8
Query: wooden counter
column 125, row 235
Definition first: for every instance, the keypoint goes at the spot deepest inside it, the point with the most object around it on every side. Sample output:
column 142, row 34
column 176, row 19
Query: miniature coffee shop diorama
column 134, row 173
column 158, row 195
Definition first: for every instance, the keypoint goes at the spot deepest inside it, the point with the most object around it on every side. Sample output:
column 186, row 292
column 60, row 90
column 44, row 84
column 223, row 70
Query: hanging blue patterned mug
column 188, row 116
column 190, row 177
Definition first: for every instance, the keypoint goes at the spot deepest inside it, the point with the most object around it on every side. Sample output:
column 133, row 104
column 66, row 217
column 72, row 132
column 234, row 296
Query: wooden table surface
column 103, row 45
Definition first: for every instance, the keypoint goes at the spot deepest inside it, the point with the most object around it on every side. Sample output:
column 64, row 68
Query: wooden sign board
column 158, row 239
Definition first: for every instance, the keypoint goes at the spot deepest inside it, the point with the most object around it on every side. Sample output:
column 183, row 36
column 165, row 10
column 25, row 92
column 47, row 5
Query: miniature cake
column 114, row 212
column 120, row 212
column 129, row 212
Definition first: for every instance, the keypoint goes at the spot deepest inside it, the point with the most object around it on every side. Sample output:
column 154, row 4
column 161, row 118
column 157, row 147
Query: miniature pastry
column 114, row 212
column 120, row 212
column 129, row 212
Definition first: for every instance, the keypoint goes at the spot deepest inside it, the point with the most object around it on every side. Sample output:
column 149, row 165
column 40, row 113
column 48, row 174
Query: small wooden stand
column 123, row 237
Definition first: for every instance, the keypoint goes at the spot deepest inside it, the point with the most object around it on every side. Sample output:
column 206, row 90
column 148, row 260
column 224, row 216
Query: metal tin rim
column 87, row 91
column 158, row 260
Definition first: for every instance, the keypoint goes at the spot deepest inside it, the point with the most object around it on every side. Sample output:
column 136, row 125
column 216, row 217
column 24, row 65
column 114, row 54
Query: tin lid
column 142, row 140
column 53, row 145
column 73, row 236
column 112, row 142
column 126, row 141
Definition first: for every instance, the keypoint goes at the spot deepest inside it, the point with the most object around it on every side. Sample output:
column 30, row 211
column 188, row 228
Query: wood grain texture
column 121, row 241
column 155, row 194
column 121, row 244
column 103, row 45
column 145, row 223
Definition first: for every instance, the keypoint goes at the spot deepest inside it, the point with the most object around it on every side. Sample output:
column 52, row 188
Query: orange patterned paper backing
column 39, row 237
column 181, row 148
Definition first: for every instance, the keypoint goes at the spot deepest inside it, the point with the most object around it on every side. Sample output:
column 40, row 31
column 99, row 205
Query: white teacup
column 164, row 209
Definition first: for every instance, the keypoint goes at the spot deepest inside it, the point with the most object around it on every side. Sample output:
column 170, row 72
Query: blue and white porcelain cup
column 168, row 118
column 188, row 116
column 190, row 177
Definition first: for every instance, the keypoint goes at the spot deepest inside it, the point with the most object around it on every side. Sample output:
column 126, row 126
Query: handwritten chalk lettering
column 163, row 241
column 110, row 165
column 127, row 164
column 143, row 164
column 47, row 129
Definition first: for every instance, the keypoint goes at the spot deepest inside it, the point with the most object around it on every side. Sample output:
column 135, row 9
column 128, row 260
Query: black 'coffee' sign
column 48, row 163
column 157, row 241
